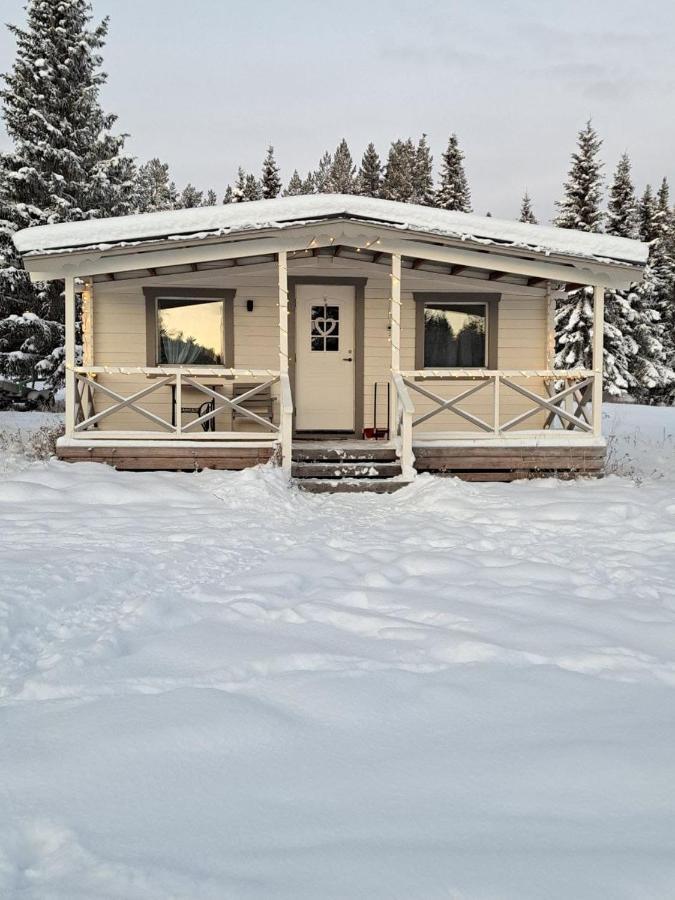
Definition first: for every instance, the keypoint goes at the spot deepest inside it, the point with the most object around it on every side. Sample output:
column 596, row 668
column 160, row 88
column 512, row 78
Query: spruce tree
column 398, row 180
column 341, row 177
column 322, row 173
column 252, row 188
column 211, row 198
column 271, row 181
column 580, row 206
column 190, row 197
column 625, row 320
column 369, row 178
column 423, row 177
column 647, row 215
column 526, row 211
column 622, row 208
column 228, row 196
column 155, row 191
column 580, row 209
column 309, row 185
column 65, row 163
column 453, row 192
column 294, row 185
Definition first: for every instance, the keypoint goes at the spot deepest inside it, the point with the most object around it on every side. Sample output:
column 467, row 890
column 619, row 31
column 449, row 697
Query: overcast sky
column 206, row 84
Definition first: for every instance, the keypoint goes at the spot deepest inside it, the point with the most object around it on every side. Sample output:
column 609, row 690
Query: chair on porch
column 262, row 403
column 198, row 410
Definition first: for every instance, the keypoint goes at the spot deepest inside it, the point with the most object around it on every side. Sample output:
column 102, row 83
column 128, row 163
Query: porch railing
column 565, row 405
column 88, row 386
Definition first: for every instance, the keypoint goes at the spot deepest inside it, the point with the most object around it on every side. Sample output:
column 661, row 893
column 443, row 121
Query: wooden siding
column 120, row 338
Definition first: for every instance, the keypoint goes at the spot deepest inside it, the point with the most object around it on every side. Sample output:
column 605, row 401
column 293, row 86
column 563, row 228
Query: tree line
column 68, row 163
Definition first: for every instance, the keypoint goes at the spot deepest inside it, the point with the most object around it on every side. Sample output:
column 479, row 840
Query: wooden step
column 350, row 486
column 365, row 469
column 351, row 454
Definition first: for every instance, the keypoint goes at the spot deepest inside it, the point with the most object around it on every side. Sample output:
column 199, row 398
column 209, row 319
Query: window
column 189, row 326
column 325, row 333
column 190, row 332
column 456, row 333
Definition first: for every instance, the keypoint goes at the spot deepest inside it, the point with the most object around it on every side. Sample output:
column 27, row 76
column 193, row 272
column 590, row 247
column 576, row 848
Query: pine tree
column 294, row 185
column 154, row 191
column 228, row 196
column 398, row 180
column 211, row 198
column 369, row 178
column 341, row 177
column 322, row 174
column 453, row 192
column 580, row 209
column 271, row 181
column 526, row 211
column 190, row 197
column 423, row 178
column 66, row 163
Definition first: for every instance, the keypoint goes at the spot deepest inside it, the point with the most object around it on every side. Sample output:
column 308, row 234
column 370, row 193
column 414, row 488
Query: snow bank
column 285, row 212
column 214, row 686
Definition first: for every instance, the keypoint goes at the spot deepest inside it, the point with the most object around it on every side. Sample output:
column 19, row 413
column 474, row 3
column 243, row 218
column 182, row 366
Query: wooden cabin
column 351, row 340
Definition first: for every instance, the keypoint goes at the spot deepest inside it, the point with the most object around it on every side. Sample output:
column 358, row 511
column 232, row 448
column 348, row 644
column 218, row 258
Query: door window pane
column 190, row 332
column 325, row 328
column 454, row 335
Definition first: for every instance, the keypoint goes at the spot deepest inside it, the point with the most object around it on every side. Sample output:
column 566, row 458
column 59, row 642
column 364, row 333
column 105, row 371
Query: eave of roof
column 243, row 219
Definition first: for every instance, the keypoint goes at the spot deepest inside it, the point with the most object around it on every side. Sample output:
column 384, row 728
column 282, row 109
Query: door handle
column 346, row 359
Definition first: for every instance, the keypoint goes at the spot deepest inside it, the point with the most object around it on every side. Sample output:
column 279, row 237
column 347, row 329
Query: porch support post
column 70, row 354
column 598, row 334
column 286, row 404
column 395, row 331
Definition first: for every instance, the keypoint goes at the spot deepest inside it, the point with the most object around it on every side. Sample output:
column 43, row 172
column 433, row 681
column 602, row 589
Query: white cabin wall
column 119, row 332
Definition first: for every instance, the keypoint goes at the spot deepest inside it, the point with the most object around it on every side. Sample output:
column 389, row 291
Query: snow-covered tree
column 155, row 191
column 398, row 181
column 211, row 198
column 253, row 189
column 31, row 349
column 369, row 178
column 322, row 173
column 309, row 185
column 294, row 188
column 453, row 192
column 190, row 197
column 423, row 177
column 622, row 208
column 228, row 196
column 526, row 211
column 623, row 319
column 647, row 215
column 66, row 163
column 341, row 177
column 271, row 180
column 580, row 209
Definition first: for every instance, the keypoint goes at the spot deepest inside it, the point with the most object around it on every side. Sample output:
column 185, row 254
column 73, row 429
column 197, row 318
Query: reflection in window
column 325, row 334
column 190, row 332
column 454, row 335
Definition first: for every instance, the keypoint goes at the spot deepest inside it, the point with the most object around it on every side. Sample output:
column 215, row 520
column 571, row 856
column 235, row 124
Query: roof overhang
column 338, row 230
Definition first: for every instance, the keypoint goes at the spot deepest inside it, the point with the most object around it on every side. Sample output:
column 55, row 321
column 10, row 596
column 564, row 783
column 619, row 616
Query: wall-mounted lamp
column 249, row 305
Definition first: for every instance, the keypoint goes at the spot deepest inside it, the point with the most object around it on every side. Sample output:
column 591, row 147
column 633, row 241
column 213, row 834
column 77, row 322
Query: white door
column 324, row 358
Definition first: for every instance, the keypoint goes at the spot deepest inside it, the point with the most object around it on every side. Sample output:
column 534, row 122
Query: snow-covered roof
column 286, row 212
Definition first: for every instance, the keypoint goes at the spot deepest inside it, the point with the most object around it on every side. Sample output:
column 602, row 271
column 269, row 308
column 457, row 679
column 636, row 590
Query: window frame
column 153, row 295
column 491, row 303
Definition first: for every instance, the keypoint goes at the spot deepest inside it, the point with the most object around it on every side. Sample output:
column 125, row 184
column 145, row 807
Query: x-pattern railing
column 556, row 405
column 87, row 384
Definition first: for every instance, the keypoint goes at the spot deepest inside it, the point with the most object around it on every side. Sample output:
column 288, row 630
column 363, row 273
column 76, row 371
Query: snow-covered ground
column 213, row 686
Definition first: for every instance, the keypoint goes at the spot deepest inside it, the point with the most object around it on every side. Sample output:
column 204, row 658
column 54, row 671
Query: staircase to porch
column 355, row 467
